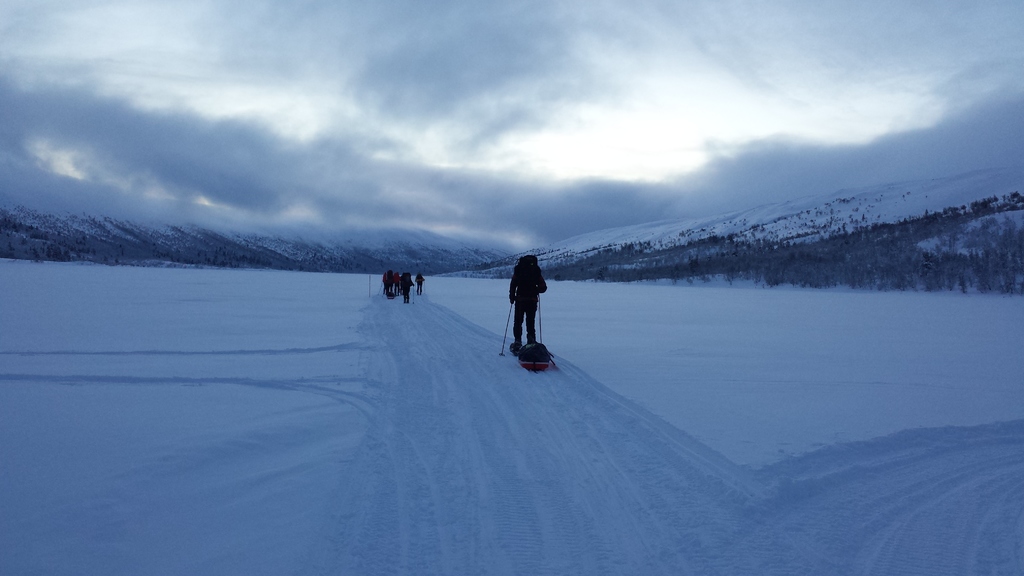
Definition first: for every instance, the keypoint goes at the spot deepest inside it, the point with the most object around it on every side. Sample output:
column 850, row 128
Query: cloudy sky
column 513, row 122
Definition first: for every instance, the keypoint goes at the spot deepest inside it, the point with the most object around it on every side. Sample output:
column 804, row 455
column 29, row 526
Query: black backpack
column 527, row 260
column 535, row 352
column 527, row 269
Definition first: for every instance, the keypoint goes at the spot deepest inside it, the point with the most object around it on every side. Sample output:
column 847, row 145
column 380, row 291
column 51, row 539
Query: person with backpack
column 406, row 281
column 389, row 283
column 524, row 292
column 419, row 284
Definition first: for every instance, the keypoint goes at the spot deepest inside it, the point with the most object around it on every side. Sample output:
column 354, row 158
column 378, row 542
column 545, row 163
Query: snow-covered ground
column 167, row 421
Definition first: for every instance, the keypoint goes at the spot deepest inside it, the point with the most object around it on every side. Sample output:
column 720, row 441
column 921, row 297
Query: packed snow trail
column 472, row 465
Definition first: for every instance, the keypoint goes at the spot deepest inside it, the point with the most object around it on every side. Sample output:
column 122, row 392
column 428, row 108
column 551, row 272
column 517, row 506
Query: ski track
column 475, row 466
column 472, row 465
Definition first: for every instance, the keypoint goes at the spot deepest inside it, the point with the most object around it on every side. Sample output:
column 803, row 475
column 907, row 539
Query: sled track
column 472, row 465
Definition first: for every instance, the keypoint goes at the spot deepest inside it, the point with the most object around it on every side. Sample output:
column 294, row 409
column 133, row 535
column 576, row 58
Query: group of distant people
column 395, row 283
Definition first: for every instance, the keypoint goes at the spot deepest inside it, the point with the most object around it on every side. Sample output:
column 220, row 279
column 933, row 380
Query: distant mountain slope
column 807, row 218
column 29, row 234
column 961, row 232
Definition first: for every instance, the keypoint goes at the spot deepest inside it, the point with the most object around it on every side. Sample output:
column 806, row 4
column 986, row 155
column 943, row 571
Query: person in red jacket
column 524, row 291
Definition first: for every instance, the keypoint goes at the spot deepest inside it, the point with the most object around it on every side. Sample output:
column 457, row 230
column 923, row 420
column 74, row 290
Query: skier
column 419, row 284
column 524, row 291
column 389, row 282
column 406, row 286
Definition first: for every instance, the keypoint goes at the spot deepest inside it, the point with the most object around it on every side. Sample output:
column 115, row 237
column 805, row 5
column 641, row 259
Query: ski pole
column 505, row 337
column 540, row 323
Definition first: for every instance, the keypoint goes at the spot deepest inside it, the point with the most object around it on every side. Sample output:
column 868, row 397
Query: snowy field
column 209, row 422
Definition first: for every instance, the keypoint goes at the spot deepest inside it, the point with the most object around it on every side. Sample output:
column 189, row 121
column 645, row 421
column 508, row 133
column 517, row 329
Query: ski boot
column 515, row 347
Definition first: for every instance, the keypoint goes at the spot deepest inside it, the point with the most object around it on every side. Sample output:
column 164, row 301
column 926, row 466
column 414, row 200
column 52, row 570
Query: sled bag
column 534, row 357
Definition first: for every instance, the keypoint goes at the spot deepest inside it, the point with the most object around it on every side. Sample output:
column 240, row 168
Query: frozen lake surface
column 167, row 421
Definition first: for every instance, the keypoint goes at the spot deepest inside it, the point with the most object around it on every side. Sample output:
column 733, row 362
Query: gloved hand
column 511, row 299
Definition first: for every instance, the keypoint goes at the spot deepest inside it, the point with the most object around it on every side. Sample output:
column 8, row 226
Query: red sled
column 534, row 357
column 535, row 366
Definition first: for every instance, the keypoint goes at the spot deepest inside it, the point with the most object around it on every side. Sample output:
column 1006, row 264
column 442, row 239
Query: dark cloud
column 985, row 136
column 251, row 177
column 551, row 213
column 435, row 57
column 258, row 178
column 535, row 211
column 125, row 153
column 415, row 62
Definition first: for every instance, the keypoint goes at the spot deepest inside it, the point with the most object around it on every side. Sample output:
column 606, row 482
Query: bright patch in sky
column 60, row 161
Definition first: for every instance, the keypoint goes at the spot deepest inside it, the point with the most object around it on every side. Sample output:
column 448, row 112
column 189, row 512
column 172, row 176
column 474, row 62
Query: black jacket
column 527, row 282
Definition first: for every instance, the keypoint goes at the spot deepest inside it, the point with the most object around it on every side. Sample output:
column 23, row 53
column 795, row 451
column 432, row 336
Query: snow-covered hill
column 29, row 234
column 806, row 219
